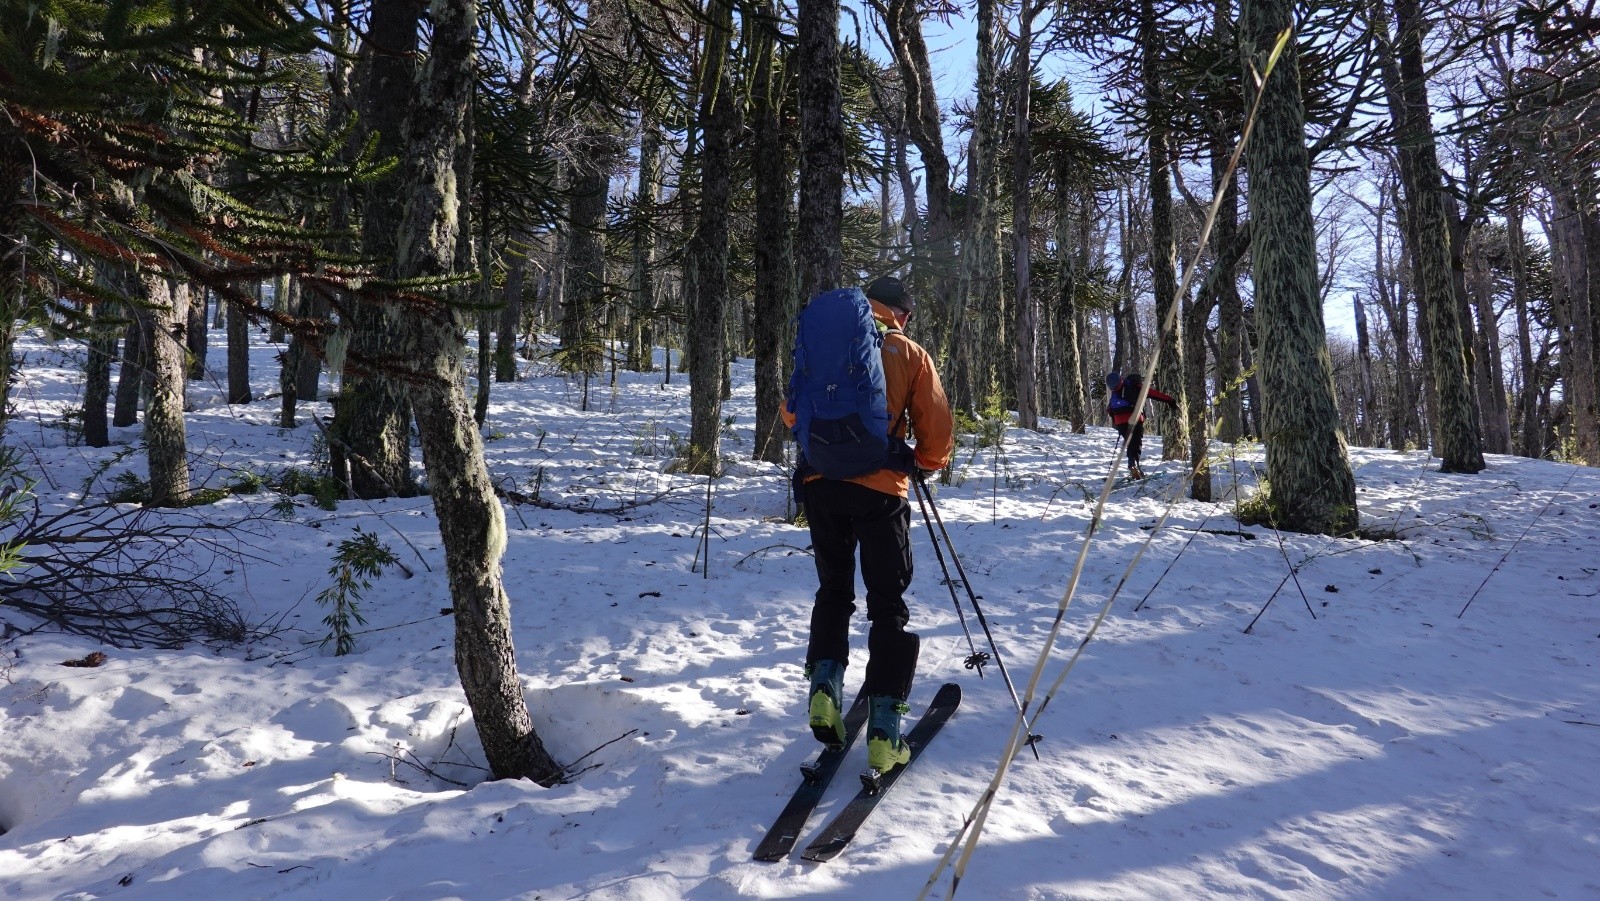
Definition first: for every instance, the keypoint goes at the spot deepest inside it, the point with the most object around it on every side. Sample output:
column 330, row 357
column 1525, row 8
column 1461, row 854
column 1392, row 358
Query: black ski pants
column 844, row 516
column 1135, row 443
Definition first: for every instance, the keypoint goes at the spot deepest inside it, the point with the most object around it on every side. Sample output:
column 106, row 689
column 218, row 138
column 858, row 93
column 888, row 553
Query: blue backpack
column 1118, row 399
column 837, row 390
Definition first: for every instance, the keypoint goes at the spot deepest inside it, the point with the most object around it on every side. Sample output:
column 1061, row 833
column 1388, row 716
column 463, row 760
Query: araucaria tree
column 1312, row 487
column 1460, row 444
column 471, row 521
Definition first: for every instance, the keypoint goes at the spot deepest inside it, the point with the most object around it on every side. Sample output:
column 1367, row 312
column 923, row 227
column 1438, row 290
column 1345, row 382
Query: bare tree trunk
column 134, row 372
column 102, row 347
column 196, row 334
column 818, row 250
column 1585, row 320
column 165, row 440
column 774, row 296
column 1230, row 305
column 980, row 273
column 1163, row 252
column 1390, row 298
column 1368, row 403
column 509, row 327
column 1528, row 443
column 1313, row 489
column 1071, row 254
column 643, row 281
column 1197, row 317
column 1492, row 406
column 471, row 521
column 15, row 172
column 1460, row 445
column 308, row 366
column 925, row 128
column 376, row 422
column 1125, row 356
column 585, row 297
column 1026, row 336
column 238, row 330
column 1252, row 382
column 280, row 292
column 708, row 248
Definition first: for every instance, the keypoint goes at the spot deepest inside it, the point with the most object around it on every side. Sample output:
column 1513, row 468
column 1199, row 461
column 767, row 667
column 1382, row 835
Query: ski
column 780, row 839
column 845, row 824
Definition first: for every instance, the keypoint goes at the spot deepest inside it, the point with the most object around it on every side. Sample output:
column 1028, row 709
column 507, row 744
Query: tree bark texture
column 308, row 366
column 471, row 521
column 509, row 327
column 97, row 370
column 642, row 276
column 1493, row 409
column 819, row 253
column 1570, row 308
column 924, row 127
column 134, row 371
column 1528, row 442
column 1312, row 487
column 1026, row 335
column 585, row 267
column 238, row 331
column 708, row 248
column 774, row 298
column 15, row 169
column 1197, row 315
column 1169, row 374
column 1367, row 433
column 197, row 335
column 378, row 424
column 1460, row 446
column 166, row 443
column 1072, row 251
column 1231, row 333
column 980, row 299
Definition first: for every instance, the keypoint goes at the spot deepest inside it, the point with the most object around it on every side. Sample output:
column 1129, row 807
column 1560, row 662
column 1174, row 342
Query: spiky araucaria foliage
column 118, row 150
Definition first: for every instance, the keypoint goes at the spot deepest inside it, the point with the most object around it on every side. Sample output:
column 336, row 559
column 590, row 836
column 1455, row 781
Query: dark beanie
column 889, row 291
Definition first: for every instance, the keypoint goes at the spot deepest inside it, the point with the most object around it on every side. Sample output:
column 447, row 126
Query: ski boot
column 826, row 708
column 886, row 747
column 1134, row 472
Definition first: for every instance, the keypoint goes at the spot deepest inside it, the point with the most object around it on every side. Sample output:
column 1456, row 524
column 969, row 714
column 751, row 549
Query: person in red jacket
column 1121, row 394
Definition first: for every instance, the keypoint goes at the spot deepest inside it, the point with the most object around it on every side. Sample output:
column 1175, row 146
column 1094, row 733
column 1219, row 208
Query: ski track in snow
column 1386, row 748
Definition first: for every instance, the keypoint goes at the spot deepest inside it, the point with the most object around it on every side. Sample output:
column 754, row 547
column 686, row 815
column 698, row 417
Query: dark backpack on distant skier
column 1128, row 391
column 837, row 391
column 1116, row 400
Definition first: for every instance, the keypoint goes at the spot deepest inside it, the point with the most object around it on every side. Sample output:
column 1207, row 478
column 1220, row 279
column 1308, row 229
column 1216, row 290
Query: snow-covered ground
column 1364, row 740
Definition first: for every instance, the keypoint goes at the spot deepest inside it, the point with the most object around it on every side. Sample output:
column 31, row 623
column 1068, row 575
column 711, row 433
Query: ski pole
column 976, row 659
column 925, row 500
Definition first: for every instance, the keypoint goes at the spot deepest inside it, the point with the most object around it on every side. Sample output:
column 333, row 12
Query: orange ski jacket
column 914, row 390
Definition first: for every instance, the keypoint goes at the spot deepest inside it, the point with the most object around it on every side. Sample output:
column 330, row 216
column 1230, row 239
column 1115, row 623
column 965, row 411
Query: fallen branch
column 567, row 772
column 129, row 576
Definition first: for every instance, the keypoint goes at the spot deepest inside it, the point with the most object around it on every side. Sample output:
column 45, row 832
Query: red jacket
column 1121, row 417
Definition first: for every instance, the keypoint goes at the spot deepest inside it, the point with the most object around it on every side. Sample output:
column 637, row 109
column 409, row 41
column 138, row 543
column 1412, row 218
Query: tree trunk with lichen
column 1169, row 374
column 774, row 279
column 1458, row 437
column 14, row 175
column 471, row 522
column 708, row 248
column 377, row 422
column 166, row 442
column 1308, row 466
column 818, row 252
